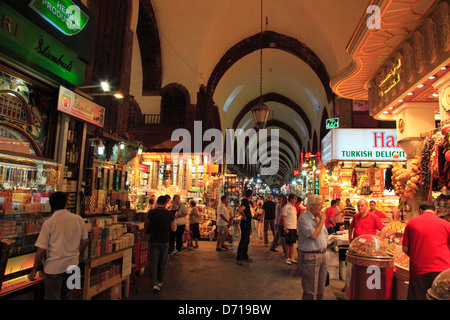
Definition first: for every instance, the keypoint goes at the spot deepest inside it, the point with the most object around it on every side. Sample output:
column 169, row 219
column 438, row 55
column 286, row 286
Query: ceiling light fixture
column 261, row 112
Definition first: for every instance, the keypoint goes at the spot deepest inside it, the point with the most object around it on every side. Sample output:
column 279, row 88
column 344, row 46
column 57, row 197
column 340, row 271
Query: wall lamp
column 116, row 94
column 103, row 84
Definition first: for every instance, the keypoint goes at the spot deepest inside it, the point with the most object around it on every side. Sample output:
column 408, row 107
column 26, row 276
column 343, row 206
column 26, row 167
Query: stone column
column 413, row 119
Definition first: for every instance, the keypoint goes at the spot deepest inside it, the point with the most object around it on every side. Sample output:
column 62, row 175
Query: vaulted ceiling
column 217, row 44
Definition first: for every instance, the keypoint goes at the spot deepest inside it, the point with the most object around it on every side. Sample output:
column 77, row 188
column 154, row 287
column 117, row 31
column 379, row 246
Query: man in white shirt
column 289, row 218
column 63, row 237
column 223, row 222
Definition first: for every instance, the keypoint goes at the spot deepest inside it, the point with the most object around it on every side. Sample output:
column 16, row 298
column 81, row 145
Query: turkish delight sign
column 80, row 107
column 362, row 145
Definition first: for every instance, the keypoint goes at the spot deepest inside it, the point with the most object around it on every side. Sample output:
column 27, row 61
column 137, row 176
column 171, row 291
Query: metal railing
column 168, row 120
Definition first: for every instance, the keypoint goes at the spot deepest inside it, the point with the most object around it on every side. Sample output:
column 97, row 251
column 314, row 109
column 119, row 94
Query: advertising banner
column 80, row 107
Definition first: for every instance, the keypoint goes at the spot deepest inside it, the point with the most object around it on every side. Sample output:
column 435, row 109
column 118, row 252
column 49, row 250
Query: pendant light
column 261, row 112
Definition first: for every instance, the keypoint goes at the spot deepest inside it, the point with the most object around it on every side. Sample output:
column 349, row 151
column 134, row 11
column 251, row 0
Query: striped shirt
column 349, row 213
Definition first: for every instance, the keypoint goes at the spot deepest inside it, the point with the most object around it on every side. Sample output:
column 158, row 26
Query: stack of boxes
column 23, row 202
column 7, row 229
column 105, row 272
column 106, row 237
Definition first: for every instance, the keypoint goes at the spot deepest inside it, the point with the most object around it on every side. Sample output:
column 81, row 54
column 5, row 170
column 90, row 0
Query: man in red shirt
column 373, row 209
column 330, row 213
column 365, row 222
column 426, row 241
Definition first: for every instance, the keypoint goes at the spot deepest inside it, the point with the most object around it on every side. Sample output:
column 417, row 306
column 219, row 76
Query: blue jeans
column 158, row 252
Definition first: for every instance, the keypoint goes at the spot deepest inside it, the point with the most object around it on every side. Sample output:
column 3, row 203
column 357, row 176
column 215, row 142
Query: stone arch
column 148, row 37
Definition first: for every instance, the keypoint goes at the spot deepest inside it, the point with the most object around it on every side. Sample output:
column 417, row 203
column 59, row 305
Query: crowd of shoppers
column 426, row 238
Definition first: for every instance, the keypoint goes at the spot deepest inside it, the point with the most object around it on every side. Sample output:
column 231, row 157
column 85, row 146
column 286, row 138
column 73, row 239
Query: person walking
column 63, row 237
column 223, row 223
column 278, row 226
column 299, row 207
column 426, row 241
column 259, row 220
column 160, row 223
column 246, row 228
column 180, row 213
column 312, row 239
column 194, row 222
column 289, row 222
column 269, row 218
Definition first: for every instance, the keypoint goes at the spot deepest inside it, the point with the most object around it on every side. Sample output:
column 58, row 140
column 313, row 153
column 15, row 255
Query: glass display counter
column 368, row 257
column 25, row 187
column 440, row 288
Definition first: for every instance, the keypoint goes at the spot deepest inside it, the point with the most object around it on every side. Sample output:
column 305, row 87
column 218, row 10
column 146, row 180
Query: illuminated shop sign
column 64, row 15
column 80, row 107
column 29, row 45
column 362, row 144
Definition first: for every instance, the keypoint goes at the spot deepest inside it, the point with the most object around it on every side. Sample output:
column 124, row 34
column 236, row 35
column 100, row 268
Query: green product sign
column 64, row 15
column 28, row 44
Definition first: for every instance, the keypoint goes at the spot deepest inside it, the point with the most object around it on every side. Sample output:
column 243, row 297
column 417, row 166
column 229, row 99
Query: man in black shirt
column 269, row 218
column 246, row 228
column 160, row 223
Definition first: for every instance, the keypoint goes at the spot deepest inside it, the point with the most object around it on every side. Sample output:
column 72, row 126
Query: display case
column 440, row 288
column 369, row 250
column 365, row 253
column 25, row 187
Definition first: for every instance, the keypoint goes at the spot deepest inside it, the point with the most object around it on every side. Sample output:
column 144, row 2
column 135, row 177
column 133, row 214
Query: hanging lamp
column 261, row 112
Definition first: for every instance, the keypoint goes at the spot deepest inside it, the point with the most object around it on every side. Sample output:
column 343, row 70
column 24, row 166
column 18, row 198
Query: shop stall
column 28, row 172
column 161, row 173
column 362, row 163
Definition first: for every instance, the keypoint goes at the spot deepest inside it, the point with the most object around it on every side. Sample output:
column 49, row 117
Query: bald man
column 365, row 222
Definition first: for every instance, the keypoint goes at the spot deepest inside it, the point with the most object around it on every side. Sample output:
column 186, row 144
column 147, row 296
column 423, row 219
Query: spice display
column 354, row 180
column 369, row 246
column 402, row 261
column 425, row 163
column 400, row 176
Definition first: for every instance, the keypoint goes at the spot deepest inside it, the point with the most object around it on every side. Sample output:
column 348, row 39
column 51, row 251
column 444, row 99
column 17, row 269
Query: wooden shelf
column 90, row 291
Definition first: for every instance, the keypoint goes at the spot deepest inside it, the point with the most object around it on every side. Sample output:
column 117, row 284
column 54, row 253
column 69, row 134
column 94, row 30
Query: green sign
column 64, row 15
column 332, row 123
column 33, row 47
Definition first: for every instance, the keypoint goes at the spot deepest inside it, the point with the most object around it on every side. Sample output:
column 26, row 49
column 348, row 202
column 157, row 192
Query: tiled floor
column 205, row 274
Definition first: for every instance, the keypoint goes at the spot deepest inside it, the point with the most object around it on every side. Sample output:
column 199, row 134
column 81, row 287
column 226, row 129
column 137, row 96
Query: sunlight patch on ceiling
column 232, row 96
column 312, row 97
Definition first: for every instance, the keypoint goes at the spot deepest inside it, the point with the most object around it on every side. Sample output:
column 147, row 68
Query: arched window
column 173, row 107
